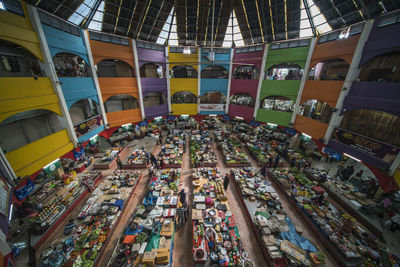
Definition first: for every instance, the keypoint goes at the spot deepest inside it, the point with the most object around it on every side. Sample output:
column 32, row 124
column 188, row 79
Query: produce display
column 215, row 233
column 96, row 222
column 353, row 242
column 138, row 158
column 148, row 238
column 173, row 149
column 234, row 156
column 279, row 236
column 201, row 151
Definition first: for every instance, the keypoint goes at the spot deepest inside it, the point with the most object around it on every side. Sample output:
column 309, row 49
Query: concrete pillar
column 228, row 98
column 167, row 74
column 139, row 84
column 260, row 80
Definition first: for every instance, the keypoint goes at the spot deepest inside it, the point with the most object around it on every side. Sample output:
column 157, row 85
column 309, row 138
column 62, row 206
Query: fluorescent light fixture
column 186, row 50
column 306, row 135
column 185, row 115
column 272, row 124
column 347, row 155
column 93, row 137
column 156, row 118
column 11, row 212
column 237, row 117
column 126, row 125
column 213, row 115
column 51, row 163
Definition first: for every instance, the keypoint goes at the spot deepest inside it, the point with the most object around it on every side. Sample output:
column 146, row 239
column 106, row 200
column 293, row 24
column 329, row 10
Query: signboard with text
column 212, row 107
column 88, row 125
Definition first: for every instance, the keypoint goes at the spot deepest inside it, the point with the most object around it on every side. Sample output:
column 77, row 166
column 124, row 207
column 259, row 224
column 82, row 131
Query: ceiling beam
column 140, row 21
column 307, row 8
column 88, row 19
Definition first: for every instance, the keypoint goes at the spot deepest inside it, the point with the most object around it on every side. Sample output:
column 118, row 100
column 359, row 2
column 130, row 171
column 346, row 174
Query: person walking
column 226, row 181
column 277, row 159
column 263, row 171
column 119, row 163
column 182, row 196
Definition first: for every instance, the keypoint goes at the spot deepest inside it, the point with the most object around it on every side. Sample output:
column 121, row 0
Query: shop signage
column 290, row 131
column 254, row 123
column 170, row 118
column 52, row 167
column 226, row 118
column 367, row 145
column 331, row 152
column 88, row 125
column 212, row 107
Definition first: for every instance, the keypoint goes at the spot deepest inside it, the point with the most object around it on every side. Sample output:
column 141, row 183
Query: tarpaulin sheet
column 297, row 239
column 119, row 203
column 108, row 132
column 153, row 242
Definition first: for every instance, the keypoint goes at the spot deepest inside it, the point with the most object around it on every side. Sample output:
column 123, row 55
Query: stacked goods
column 232, row 150
column 83, row 243
column 173, row 149
column 352, row 240
column 138, row 157
column 148, row 238
column 215, row 233
column 280, row 238
column 201, row 153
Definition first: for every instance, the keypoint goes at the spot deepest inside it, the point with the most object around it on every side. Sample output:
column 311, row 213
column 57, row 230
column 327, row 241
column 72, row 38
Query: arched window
column 242, row 99
column 214, row 72
column 331, row 69
column 246, row 72
column 114, row 68
column 82, row 110
column 213, row 98
column 375, row 124
column 151, row 70
column 120, row 102
column 284, row 71
column 184, row 98
column 16, row 61
column 70, row 65
column 277, row 103
column 316, row 110
column 183, row 71
column 383, row 68
column 153, row 99
column 26, row 127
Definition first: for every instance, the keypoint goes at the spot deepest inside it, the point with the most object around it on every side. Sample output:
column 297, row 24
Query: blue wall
column 214, row 85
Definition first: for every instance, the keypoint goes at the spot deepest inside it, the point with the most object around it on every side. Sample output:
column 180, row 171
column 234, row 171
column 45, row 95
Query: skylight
column 2, row 7
column 320, row 23
column 163, row 36
column 233, row 33
column 305, row 26
column 97, row 20
column 82, row 11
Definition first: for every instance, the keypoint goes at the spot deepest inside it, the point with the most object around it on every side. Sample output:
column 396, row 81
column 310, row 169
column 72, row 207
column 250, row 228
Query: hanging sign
column 50, row 168
column 226, row 118
column 88, row 125
column 254, row 123
column 212, row 107
column 170, row 118
column 367, row 145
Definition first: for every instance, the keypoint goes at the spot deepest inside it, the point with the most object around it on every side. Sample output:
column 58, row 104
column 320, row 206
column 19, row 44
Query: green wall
column 296, row 55
column 287, row 88
column 272, row 116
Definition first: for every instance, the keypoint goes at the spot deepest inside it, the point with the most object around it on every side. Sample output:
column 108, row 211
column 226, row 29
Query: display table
column 104, row 165
column 232, row 150
column 137, row 160
column 201, row 152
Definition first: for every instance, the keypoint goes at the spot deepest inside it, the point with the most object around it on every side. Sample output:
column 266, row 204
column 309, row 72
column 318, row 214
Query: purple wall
column 378, row 163
column 373, row 95
column 241, row 111
column 154, row 85
column 380, row 41
column 148, row 55
column 156, row 111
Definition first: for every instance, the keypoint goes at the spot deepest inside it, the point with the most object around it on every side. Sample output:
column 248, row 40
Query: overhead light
column 186, row 50
column 213, row 115
column 240, row 118
column 356, row 159
column 126, row 125
column 306, row 135
column 93, row 137
column 51, row 163
column 11, row 212
column 185, row 115
column 156, row 118
column 272, row 124
column 344, row 33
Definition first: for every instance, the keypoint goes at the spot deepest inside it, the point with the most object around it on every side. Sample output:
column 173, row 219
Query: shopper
column 270, row 162
column 181, row 216
column 119, row 163
column 276, row 163
column 359, row 174
column 226, row 181
column 182, row 196
column 292, row 162
column 263, row 171
column 340, row 169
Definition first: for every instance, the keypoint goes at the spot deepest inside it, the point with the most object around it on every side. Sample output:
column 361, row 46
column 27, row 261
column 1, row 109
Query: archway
column 214, row 72
column 284, row 71
column 70, row 65
column 82, row 110
column 277, row 103
column 316, row 110
column 246, row 72
column 213, row 98
column 17, row 61
column 26, row 127
column 184, row 97
column 151, row 70
column 114, row 68
column 382, row 68
column 242, row 99
column 375, row 124
column 330, row 69
column 183, row 71
column 120, row 102
column 153, row 99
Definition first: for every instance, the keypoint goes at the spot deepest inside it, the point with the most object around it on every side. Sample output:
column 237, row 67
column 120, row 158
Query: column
column 228, row 93
column 139, row 84
column 260, row 80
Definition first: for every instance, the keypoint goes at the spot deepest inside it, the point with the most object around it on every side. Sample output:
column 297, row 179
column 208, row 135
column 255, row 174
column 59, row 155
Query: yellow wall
column 18, row 29
column 184, row 109
column 182, row 58
column 28, row 159
column 184, row 84
column 397, row 177
column 25, row 93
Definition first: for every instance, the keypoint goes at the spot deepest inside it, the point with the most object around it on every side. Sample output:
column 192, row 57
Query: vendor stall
column 148, row 238
column 137, row 159
column 234, row 155
column 172, row 150
column 215, row 233
column 201, row 150
column 109, row 159
column 83, row 241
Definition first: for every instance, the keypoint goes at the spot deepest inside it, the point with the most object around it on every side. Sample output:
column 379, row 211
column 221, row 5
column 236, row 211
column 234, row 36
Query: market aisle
column 183, row 242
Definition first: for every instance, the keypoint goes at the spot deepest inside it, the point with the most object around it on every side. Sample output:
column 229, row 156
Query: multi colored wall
column 154, row 85
column 19, row 94
column 285, row 88
column 208, row 85
column 74, row 88
column 242, row 85
column 183, row 84
column 324, row 90
column 111, row 86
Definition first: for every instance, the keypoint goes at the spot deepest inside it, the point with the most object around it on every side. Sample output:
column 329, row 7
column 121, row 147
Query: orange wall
column 311, row 127
column 326, row 91
column 119, row 118
column 343, row 49
column 115, row 86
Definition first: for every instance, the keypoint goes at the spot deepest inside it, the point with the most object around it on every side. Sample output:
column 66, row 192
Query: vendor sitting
column 210, row 235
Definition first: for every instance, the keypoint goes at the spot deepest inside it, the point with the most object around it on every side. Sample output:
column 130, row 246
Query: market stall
column 109, row 159
column 346, row 240
column 215, row 233
column 84, row 241
column 201, row 149
column 231, row 147
column 281, row 241
column 136, row 160
column 148, row 238
column 172, row 150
